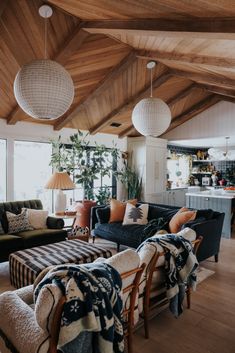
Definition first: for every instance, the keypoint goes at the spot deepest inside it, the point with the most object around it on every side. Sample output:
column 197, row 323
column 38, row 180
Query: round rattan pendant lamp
column 43, row 88
column 151, row 116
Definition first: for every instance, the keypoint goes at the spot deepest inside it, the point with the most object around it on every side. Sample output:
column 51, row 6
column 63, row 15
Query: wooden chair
column 158, row 301
column 128, row 313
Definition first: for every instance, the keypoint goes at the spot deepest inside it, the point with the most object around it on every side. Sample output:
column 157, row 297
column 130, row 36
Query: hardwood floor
column 209, row 326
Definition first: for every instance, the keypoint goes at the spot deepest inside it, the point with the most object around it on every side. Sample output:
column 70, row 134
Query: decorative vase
column 83, row 209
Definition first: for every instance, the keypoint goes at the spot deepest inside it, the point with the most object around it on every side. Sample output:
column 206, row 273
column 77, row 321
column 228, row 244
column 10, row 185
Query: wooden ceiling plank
column 129, row 103
column 3, row 5
column 194, row 110
column 188, row 58
column 205, row 78
column 108, row 79
column 72, row 44
column 181, row 95
column 219, row 28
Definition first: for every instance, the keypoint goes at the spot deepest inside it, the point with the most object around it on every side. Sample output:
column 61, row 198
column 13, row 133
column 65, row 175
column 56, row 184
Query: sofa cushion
column 39, row 237
column 136, row 215
column 10, row 243
column 19, row 222
column 180, row 218
column 207, row 214
column 103, row 214
column 160, row 212
column 117, row 209
column 1, row 229
column 130, row 235
column 37, row 218
column 16, row 207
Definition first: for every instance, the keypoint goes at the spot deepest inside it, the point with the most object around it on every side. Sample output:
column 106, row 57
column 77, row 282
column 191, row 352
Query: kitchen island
column 217, row 200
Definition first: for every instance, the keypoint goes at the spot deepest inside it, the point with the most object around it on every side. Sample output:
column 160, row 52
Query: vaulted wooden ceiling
column 105, row 45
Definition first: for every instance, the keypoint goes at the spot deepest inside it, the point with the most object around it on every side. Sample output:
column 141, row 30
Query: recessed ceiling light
column 115, row 124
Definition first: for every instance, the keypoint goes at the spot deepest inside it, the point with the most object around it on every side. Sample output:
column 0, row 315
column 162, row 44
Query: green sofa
column 10, row 243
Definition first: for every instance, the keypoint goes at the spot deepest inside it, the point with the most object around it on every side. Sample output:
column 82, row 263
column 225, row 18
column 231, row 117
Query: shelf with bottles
column 209, row 173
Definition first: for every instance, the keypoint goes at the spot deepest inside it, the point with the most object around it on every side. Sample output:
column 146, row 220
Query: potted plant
column 131, row 180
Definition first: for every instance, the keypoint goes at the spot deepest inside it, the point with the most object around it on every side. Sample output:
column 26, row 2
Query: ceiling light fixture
column 221, row 154
column 43, row 88
column 151, row 116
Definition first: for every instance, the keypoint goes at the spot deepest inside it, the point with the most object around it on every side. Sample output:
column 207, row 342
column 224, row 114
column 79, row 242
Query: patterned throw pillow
column 18, row 223
column 136, row 215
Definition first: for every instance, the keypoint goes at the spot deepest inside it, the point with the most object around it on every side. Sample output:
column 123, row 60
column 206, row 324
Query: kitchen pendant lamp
column 151, row 116
column 43, row 88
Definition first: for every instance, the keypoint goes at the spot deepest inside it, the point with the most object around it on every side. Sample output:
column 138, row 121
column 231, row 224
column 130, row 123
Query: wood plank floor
column 209, row 326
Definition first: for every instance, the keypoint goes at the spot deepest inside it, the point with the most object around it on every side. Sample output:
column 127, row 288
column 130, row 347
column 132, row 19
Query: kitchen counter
column 212, row 193
column 217, row 200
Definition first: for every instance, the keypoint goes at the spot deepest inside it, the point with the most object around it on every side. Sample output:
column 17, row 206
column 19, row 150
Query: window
column 104, row 182
column 3, row 170
column 31, row 171
column 178, row 171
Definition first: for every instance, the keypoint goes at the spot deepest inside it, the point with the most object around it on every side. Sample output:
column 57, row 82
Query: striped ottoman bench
column 25, row 265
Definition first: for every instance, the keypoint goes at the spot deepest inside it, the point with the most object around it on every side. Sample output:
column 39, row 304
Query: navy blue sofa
column 207, row 224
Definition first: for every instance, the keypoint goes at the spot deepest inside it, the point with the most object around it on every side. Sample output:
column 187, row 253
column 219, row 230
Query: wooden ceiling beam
column 129, row 103
column 218, row 90
column 208, row 28
column 226, row 99
column 72, row 44
column 187, row 58
column 172, row 101
column 126, row 132
column 194, row 110
column 207, row 79
column 108, row 79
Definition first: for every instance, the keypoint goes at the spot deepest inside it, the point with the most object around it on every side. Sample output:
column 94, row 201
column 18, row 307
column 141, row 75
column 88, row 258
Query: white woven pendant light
column 43, row 88
column 151, row 116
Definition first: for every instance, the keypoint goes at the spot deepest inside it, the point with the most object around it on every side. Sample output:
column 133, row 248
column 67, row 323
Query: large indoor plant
column 85, row 164
column 131, row 181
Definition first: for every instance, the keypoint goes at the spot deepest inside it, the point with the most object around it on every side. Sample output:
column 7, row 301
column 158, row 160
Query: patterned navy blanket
column 93, row 303
column 180, row 266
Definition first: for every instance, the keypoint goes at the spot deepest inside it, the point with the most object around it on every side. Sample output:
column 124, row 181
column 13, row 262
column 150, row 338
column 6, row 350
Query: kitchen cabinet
column 174, row 197
column 220, row 204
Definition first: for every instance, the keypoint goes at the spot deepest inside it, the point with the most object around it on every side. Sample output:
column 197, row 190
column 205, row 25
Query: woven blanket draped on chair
column 180, row 266
column 93, row 303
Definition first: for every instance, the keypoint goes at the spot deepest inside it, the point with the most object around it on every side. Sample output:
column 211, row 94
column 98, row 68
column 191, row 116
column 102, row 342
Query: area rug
column 203, row 273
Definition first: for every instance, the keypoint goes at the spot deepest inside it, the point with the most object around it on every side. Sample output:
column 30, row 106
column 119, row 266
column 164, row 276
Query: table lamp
column 60, row 181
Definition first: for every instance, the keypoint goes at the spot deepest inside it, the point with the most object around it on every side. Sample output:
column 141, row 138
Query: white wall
column 44, row 133
column 218, row 120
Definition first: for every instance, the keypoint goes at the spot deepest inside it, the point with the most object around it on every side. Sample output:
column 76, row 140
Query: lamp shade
column 60, row 180
column 151, row 116
column 44, row 89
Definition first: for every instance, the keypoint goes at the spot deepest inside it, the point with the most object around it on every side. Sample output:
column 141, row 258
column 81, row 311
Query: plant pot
column 83, row 209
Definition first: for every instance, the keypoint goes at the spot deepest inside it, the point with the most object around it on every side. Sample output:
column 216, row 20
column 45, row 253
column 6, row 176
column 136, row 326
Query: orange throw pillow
column 117, row 209
column 181, row 217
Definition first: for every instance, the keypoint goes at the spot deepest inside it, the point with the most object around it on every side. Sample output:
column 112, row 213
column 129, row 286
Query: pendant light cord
column 151, row 78
column 45, row 39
